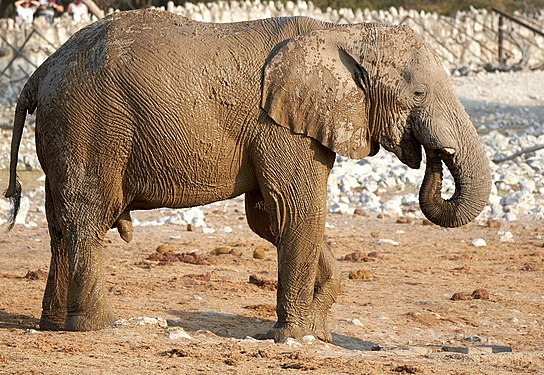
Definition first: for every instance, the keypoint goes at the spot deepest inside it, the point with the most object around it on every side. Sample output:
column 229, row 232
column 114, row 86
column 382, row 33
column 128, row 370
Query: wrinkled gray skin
column 145, row 109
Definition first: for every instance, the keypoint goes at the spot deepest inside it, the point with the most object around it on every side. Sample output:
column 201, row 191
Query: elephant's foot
column 284, row 331
column 52, row 323
column 319, row 329
column 281, row 332
column 89, row 322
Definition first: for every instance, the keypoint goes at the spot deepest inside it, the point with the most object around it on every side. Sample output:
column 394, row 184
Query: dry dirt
column 398, row 321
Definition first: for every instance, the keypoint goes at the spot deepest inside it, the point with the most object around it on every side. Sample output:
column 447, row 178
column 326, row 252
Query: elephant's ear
column 310, row 85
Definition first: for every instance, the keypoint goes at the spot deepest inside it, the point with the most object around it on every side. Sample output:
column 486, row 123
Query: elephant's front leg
column 292, row 172
column 298, row 258
column 326, row 288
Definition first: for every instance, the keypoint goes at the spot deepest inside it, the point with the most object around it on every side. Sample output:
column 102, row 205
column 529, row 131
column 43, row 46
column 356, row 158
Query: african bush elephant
column 146, row 109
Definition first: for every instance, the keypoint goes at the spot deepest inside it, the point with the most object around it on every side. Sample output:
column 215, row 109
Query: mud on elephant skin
column 146, row 109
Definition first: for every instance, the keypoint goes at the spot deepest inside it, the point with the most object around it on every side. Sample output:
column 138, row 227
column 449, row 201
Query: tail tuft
column 15, row 197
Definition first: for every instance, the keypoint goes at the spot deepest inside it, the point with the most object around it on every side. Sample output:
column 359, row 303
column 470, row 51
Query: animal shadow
column 19, row 321
column 241, row 327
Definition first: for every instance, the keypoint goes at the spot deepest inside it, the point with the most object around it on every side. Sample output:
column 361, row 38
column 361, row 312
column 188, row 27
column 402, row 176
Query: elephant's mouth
column 409, row 150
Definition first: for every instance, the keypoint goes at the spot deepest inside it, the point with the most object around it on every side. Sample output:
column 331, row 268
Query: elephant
column 147, row 109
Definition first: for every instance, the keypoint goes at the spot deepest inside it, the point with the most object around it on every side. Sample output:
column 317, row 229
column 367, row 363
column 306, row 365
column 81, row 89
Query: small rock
column 364, row 275
column 387, row 241
column 357, row 256
column 479, row 242
column 36, row 275
column 426, row 222
column 163, row 249
column 360, row 212
column 492, row 223
column 178, row 333
column 147, row 321
column 505, row 236
column 291, row 342
column 473, row 338
column 176, row 353
column 259, row 253
column 308, row 339
column 480, row 294
column 355, row 321
column 459, row 297
column 221, row 250
column 405, row 220
column 196, row 298
column 263, row 283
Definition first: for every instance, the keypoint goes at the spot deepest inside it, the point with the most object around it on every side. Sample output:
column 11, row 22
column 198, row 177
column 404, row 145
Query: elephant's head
column 354, row 88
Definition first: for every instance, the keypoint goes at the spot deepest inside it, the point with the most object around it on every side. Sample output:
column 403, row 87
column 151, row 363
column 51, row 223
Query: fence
column 470, row 41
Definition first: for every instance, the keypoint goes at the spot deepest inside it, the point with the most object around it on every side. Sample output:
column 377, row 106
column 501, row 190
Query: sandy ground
column 401, row 319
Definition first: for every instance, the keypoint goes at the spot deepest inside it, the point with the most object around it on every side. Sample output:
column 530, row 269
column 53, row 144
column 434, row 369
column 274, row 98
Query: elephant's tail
column 26, row 103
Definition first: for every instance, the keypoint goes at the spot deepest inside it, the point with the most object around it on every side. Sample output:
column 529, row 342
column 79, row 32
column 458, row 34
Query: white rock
column 479, row 242
column 387, row 241
column 308, row 339
column 145, row 321
column 291, row 342
column 355, row 321
column 177, row 334
column 505, row 236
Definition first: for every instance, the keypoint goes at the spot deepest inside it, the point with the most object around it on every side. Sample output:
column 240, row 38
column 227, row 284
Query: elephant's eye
column 419, row 95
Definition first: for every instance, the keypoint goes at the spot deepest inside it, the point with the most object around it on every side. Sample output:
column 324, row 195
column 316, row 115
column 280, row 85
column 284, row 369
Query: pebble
column 361, row 274
column 177, row 334
column 259, row 253
column 479, row 242
column 506, row 236
column 387, row 241
column 355, row 321
column 291, row 342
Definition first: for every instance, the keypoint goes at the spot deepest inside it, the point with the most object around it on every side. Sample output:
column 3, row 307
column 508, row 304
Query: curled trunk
column 472, row 178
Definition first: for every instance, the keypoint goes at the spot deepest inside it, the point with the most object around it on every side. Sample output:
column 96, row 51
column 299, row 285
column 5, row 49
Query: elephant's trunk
column 472, row 187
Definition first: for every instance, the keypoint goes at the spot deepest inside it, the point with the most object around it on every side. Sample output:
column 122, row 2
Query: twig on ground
column 517, row 154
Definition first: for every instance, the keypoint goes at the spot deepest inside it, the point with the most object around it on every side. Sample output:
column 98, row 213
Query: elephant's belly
column 193, row 185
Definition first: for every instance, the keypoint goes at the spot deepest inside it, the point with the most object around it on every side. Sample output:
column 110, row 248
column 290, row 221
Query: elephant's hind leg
column 88, row 308
column 85, row 220
column 55, row 296
column 257, row 216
